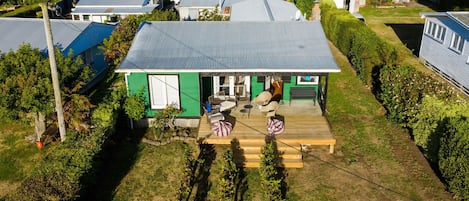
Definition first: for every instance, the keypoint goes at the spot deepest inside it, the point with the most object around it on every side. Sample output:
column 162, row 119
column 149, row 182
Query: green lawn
column 17, row 156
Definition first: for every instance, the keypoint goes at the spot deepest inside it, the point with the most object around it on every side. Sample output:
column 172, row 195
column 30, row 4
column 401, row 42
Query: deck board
column 303, row 125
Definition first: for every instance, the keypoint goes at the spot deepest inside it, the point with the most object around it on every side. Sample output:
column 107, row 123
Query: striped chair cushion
column 222, row 128
column 275, row 126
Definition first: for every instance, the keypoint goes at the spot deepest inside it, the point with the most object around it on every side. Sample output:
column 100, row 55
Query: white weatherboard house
column 82, row 38
column 242, row 10
column 111, row 10
column 445, row 46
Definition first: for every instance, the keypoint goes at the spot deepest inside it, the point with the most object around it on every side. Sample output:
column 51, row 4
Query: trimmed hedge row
column 364, row 49
column 61, row 175
column 436, row 115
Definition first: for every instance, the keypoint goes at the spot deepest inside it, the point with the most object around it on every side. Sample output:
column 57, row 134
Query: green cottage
column 232, row 65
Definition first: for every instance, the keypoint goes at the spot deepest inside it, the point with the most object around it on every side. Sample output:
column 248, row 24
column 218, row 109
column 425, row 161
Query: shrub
column 441, row 130
column 227, row 181
column 271, row 180
column 402, row 90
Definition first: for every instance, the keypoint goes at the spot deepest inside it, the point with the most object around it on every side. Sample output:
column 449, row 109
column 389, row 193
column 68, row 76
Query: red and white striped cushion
column 275, row 126
column 222, row 128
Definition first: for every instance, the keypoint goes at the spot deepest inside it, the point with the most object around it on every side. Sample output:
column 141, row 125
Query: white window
column 436, row 31
column 307, row 80
column 164, row 91
column 457, row 43
column 231, row 86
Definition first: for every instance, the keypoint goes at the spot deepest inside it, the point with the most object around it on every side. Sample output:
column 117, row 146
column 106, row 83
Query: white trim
column 163, row 91
column 314, row 78
column 227, row 71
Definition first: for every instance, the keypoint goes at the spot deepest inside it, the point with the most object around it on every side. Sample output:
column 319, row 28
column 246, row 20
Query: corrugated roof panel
column 256, row 10
column 112, row 10
column 15, row 31
column 230, row 46
column 111, row 2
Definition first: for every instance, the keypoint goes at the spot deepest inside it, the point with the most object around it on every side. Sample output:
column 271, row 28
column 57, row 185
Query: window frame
column 165, row 99
column 435, row 31
column 457, row 43
column 314, row 78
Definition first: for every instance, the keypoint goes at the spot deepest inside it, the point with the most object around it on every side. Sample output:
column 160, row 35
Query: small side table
column 247, row 109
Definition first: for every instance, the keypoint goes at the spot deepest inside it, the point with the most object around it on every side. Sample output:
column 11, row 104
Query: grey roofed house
column 265, row 10
column 445, row 46
column 82, row 38
column 103, row 10
column 230, row 47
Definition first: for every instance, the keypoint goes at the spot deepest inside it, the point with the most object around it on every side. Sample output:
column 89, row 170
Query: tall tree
column 26, row 88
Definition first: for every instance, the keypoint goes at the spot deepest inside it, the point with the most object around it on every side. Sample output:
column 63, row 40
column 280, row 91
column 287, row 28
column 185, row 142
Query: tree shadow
column 115, row 160
column 208, row 154
column 410, row 35
column 241, row 185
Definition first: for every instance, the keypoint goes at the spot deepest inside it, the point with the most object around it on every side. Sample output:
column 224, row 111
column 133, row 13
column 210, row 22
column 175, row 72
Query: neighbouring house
column 189, row 10
column 242, row 10
column 111, row 11
column 82, row 38
column 445, row 47
column 265, row 10
column 230, row 65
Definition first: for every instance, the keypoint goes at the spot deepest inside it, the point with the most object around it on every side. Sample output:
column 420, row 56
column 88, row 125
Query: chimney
column 316, row 13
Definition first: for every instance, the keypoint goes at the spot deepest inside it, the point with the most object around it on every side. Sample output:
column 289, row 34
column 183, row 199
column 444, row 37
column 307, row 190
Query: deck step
column 250, row 151
column 256, row 163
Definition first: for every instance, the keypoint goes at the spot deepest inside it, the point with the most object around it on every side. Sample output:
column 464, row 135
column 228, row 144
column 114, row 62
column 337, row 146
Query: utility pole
column 53, row 69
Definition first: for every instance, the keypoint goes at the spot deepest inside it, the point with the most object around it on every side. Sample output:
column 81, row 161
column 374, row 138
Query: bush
column 402, row 90
column 227, row 181
column 441, row 130
column 271, row 180
column 60, row 175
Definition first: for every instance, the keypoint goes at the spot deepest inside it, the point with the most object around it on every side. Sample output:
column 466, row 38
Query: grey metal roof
column 112, row 2
column 207, row 3
column 461, row 17
column 15, row 31
column 230, row 47
column 113, row 10
column 265, row 10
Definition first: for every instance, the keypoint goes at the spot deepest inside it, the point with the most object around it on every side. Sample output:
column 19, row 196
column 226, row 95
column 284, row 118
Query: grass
column 17, row 156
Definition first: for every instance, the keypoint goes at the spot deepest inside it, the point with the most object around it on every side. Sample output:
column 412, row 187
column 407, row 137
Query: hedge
column 364, row 49
column 61, row 175
column 432, row 110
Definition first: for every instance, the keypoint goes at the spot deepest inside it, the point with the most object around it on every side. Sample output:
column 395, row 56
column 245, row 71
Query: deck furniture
column 303, row 92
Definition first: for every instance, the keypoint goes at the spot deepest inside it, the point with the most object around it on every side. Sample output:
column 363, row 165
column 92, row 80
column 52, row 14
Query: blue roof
column 265, row 10
column 461, row 17
column 230, row 47
column 66, row 33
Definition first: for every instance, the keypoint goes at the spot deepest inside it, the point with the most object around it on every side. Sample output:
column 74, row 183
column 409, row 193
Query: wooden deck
column 303, row 125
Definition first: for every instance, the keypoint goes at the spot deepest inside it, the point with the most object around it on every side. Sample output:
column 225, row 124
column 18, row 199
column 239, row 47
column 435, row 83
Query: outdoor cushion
column 222, row 128
column 275, row 126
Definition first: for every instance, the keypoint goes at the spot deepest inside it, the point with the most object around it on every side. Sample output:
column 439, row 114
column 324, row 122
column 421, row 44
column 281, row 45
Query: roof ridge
column 269, row 11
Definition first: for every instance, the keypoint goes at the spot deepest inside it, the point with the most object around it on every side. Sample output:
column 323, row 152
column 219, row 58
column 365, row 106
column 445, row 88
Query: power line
column 335, row 166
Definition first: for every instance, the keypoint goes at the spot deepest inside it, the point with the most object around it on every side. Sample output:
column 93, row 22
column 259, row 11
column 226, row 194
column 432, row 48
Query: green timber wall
column 257, row 87
column 189, row 92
